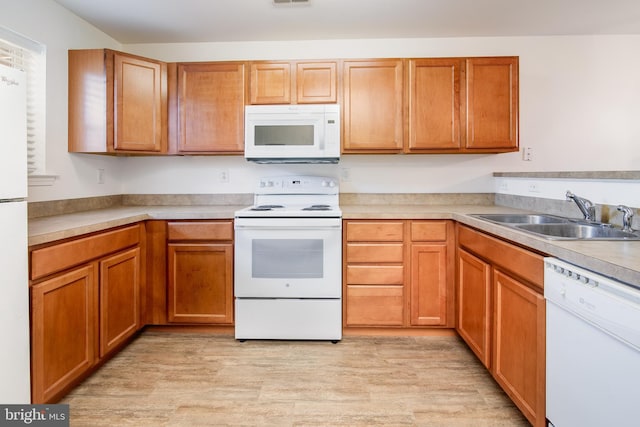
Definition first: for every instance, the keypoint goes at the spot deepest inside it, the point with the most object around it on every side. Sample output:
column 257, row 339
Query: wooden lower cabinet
column 64, row 331
column 398, row 273
column 474, row 304
column 501, row 315
column 84, row 306
column 200, row 283
column 200, row 272
column 519, row 345
column 119, row 299
column 429, row 282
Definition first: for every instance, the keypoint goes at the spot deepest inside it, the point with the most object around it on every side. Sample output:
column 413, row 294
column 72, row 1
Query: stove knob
column 329, row 184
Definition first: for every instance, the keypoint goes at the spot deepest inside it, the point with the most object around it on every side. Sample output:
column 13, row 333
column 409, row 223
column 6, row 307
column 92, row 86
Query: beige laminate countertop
column 620, row 260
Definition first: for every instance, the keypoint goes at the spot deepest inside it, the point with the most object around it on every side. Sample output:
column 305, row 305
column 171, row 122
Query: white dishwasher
column 593, row 348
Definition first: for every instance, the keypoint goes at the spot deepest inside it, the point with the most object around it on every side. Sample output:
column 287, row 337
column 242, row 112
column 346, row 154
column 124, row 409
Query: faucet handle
column 627, row 217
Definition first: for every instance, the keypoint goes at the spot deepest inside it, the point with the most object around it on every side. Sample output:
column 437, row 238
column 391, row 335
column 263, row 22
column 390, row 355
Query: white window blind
column 20, row 52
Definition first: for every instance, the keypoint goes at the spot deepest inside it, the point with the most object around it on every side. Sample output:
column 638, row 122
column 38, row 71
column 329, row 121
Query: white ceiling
column 175, row 21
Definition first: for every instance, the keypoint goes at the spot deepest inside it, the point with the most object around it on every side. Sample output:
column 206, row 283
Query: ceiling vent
column 286, row 2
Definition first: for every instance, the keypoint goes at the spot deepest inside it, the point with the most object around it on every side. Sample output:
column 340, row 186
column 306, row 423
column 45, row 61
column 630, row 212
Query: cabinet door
column 270, row 83
column 211, row 107
column 373, row 102
column 434, row 104
column 492, row 104
column 519, row 345
column 316, row 82
column 119, row 298
column 428, row 284
column 474, row 322
column 200, row 283
column 63, row 331
column 138, row 104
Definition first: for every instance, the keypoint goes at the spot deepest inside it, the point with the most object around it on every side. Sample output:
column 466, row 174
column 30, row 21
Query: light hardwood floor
column 199, row 379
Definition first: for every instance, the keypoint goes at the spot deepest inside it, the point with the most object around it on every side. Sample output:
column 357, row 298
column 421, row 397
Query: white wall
column 577, row 112
column 50, row 24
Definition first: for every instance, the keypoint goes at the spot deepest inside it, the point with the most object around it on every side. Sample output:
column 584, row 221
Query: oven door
column 288, row 258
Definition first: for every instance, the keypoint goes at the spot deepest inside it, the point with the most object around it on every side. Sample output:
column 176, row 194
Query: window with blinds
column 20, row 52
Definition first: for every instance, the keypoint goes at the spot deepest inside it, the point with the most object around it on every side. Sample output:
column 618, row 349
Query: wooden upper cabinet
column 297, row 82
column 316, row 82
column 117, row 103
column 270, row 83
column 434, row 104
column 373, row 106
column 210, row 108
column 492, row 104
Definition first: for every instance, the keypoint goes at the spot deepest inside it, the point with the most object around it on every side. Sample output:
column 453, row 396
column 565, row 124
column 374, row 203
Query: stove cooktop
column 294, row 196
column 313, row 210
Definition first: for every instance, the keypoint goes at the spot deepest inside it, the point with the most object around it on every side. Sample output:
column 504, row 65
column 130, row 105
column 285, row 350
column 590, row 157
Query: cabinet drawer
column 375, row 231
column 375, row 274
column 428, row 231
column 374, row 252
column 374, row 306
column 200, row 230
column 60, row 257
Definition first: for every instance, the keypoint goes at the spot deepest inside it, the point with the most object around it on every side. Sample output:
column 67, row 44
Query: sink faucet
column 627, row 217
column 586, row 206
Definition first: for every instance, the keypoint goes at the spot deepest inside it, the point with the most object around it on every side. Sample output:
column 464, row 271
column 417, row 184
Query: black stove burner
column 317, row 208
column 266, row 207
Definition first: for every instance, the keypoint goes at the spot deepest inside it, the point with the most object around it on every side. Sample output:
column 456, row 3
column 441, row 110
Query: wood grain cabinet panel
column 200, row 272
column 119, row 299
column 210, row 104
column 375, row 231
column 434, row 104
column 80, row 314
column 294, row 82
column 200, row 283
column 117, row 103
column 375, row 252
column 474, row 304
column 64, row 330
column 492, row 104
column 373, row 106
column 501, row 315
column 519, row 345
column 375, row 306
column 429, row 284
column 398, row 273
column 316, row 82
column 270, row 83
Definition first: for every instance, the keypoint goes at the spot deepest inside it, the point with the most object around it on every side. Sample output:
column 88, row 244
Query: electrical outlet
column 223, row 176
column 527, row 154
column 100, row 176
column 345, row 174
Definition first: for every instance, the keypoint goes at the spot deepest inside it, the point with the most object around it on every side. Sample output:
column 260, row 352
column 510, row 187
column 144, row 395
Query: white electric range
column 288, row 261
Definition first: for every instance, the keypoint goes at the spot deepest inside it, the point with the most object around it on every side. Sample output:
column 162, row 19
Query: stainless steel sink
column 523, row 218
column 573, row 230
column 559, row 228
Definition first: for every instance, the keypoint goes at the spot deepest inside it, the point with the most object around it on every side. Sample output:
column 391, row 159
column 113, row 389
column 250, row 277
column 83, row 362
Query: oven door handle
column 288, row 228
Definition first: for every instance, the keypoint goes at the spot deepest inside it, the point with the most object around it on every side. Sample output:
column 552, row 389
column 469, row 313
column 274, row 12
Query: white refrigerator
column 14, row 284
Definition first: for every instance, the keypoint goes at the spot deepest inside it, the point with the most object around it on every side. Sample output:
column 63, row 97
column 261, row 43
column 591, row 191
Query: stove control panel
column 296, row 184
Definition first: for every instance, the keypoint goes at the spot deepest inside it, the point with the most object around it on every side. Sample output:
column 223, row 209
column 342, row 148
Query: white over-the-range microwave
column 292, row 133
